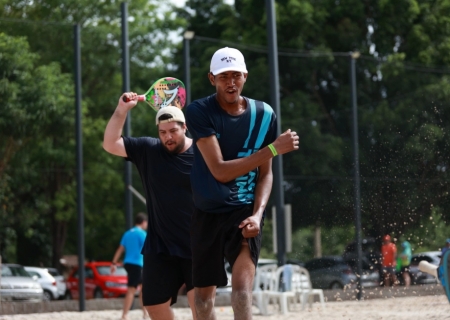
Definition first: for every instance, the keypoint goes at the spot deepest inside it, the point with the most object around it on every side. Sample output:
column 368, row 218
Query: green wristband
column 272, row 148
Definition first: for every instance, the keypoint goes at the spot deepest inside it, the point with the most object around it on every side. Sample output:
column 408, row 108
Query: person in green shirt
column 403, row 262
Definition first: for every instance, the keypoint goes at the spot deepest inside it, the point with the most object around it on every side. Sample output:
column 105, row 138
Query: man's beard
column 177, row 148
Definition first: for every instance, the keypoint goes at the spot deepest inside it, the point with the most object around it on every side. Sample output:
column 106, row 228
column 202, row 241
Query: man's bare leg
column 164, row 311
column 128, row 301
column 394, row 280
column 242, row 283
column 144, row 311
column 204, row 302
column 191, row 300
column 407, row 278
column 161, row 311
column 386, row 280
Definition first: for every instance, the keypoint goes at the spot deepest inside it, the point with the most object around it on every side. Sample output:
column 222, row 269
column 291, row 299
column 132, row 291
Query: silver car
column 60, row 281
column 46, row 280
column 17, row 284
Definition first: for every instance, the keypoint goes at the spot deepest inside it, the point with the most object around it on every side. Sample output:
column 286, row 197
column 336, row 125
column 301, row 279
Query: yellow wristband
column 272, row 148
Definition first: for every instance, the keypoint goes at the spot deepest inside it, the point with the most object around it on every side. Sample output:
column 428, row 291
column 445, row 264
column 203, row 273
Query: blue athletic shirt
column 133, row 241
column 238, row 136
column 165, row 178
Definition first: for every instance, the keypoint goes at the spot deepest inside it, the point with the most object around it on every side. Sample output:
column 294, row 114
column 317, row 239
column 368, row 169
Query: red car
column 99, row 282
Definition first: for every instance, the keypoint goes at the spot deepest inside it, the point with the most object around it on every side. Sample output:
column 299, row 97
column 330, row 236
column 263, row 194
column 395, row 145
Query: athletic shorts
column 216, row 237
column 134, row 273
column 163, row 276
column 389, row 270
column 404, row 269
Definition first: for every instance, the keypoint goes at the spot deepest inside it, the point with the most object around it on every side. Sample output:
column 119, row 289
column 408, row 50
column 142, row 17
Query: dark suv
column 371, row 251
column 334, row 272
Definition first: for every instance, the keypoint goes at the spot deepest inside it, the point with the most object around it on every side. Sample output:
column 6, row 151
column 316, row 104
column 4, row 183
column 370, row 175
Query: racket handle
column 427, row 267
column 139, row 98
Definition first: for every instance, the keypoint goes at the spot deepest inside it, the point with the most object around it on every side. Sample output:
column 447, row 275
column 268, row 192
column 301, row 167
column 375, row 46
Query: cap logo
column 228, row 59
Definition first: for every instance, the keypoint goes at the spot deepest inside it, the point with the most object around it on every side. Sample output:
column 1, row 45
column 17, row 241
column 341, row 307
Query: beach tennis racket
column 164, row 92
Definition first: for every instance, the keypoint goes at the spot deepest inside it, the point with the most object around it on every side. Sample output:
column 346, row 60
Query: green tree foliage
column 402, row 101
column 402, row 91
column 333, row 241
column 429, row 235
column 35, row 148
column 47, row 28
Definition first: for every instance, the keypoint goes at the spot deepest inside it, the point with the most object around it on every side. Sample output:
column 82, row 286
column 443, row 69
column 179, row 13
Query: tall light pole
column 79, row 155
column 356, row 173
column 127, row 126
column 187, row 36
column 278, row 187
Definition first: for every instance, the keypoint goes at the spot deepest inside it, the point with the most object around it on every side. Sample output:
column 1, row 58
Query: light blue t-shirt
column 133, row 241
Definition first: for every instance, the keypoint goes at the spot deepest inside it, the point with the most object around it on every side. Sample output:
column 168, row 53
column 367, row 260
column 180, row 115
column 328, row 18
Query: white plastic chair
column 268, row 288
column 301, row 285
column 284, row 290
column 263, row 286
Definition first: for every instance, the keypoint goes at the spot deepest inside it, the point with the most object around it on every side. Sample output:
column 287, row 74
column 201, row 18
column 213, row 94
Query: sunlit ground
column 427, row 307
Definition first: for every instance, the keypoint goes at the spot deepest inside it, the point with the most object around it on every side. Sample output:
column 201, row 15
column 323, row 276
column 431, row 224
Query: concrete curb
column 23, row 307
column 384, row 293
column 7, row 307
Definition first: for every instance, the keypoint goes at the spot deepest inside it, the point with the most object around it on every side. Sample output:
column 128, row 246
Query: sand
column 405, row 308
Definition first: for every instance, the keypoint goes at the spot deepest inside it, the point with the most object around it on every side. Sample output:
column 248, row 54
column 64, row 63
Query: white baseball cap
column 175, row 112
column 227, row 59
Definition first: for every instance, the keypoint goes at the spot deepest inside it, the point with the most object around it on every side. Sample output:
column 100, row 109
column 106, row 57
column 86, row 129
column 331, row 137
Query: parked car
column 419, row 277
column 60, row 281
column 333, row 272
column 99, row 282
column 46, row 280
column 371, row 250
column 17, row 284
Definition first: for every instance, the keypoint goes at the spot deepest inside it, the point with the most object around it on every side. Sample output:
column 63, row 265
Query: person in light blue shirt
column 132, row 243
column 441, row 272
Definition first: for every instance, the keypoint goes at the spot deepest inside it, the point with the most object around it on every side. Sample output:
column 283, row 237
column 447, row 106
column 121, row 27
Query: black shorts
column 215, row 237
column 163, row 277
column 134, row 273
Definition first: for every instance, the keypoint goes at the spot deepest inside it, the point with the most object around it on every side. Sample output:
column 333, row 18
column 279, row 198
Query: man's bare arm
column 117, row 254
column 251, row 225
column 225, row 171
column 263, row 188
column 112, row 139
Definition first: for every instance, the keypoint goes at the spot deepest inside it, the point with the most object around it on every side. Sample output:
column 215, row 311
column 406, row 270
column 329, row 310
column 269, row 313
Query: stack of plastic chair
column 301, row 285
column 263, row 285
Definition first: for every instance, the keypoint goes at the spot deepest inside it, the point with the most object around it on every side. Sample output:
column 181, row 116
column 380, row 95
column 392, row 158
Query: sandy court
column 405, row 308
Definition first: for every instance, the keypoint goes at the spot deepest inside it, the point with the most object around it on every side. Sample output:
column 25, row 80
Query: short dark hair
column 140, row 217
column 167, row 116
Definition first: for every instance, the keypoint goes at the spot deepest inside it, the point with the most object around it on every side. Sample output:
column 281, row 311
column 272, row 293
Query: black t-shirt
column 165, row 178
column 238, row 137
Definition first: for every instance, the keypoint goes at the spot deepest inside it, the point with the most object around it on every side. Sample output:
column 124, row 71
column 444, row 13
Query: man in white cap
column 164, row 165
column 234, row 143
